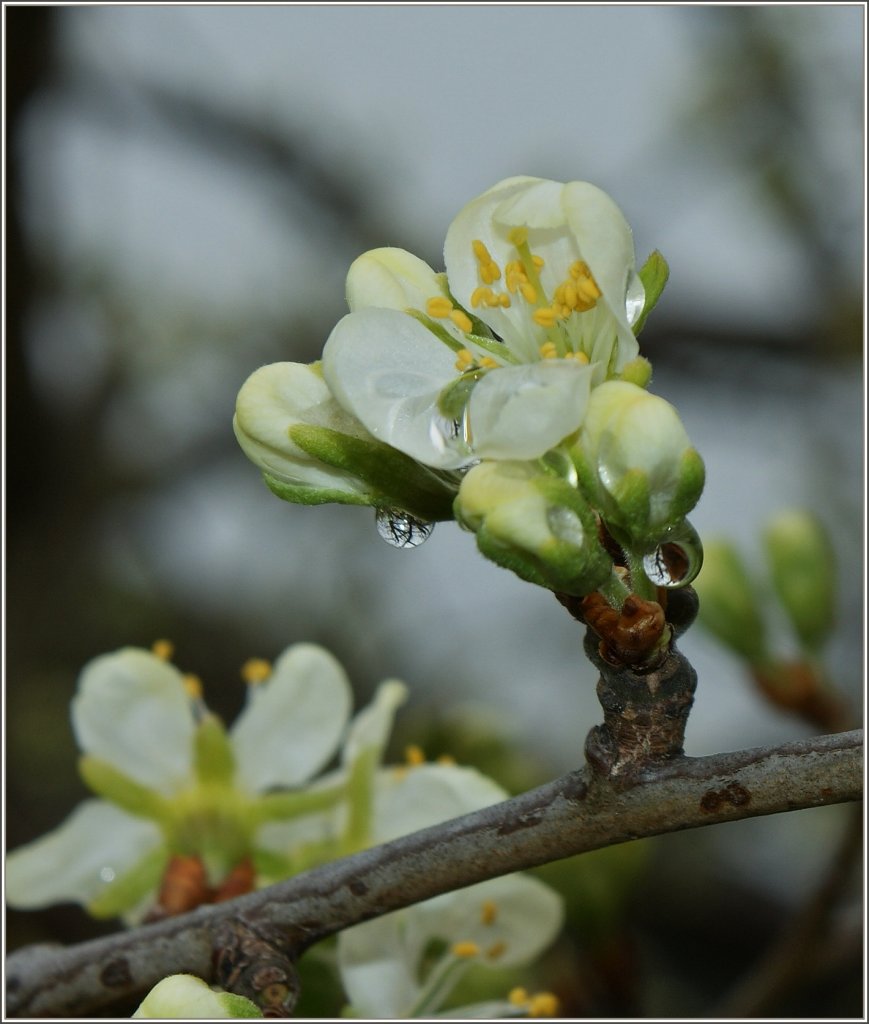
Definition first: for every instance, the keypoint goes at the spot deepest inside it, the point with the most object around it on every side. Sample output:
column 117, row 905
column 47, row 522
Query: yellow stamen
column 543, row 1004
column 163, row 649
column 496, row 950
column 518, row 996
column 488, row 912
column 192, row 686
column 446, row 759
column 481, row 252
column 489, row 363
column 544, row 317
column 529, row 292
column 465, row 359
column 504, row 300
column 439, row 306
column 580, row 357
column 256, row 670
column 481, row 296
column 465, row 950
column 461, row 320
column 548, row 349
column 538, row 261
column 414, row 755
column 518, row 236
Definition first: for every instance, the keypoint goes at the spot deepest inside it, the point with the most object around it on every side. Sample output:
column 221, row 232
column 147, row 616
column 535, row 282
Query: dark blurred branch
column 791, row 961
column 579, row 812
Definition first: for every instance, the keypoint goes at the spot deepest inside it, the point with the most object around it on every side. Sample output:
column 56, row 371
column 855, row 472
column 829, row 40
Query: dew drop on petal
column 560, row 464
column 565, row 524
column 451, row 435
column 401, row 530
column 677, row 559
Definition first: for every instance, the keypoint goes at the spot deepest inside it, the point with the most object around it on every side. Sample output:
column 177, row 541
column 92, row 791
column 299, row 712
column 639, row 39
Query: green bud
column 311, row 451
column 636, row 464
column 803, row 573
column 185, row 997
column 638, row 371
column 534, row 524
column 728, row 608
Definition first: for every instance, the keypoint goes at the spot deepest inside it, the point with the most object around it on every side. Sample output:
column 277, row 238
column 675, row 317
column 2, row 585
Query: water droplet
column 107, row 874
column 451, row 435
column 558, row 462
column 402, row 530
column 677, row 559
column 565, row 524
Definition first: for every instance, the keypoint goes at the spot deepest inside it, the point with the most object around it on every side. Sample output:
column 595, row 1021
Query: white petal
column 185, row 997
column 387, row 369
column 607, row 245
column 392, row 279
column 516, row 914
column 293, row 722
column 408, row 799
column 132, row 710
column 378, row 969
column 277, row 397
column 95, row 844
column 520, row 412
column 370, row 729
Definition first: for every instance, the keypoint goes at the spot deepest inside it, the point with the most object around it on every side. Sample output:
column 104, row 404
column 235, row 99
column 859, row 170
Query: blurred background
column 186, row 188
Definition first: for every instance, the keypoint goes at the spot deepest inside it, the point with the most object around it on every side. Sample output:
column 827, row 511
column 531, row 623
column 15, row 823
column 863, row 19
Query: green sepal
column 692, row 477
column 213, row 758
column 360, row 801
column 305, row 494
column 653, row 274
column 453, row 399
column 106, row 781
column 281, row 806
column 239, row 1006
column 396, row 480
column 632, row 506
column 129, row 889
column 638, row 371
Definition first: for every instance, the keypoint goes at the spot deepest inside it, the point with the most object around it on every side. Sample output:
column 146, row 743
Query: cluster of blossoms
column 507, row 393
column 188, row 812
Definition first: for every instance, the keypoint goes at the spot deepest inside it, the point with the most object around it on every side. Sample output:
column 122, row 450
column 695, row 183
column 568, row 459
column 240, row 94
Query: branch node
column 260, row 966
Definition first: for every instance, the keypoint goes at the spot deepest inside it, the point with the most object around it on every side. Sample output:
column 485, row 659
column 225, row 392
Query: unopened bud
column 185, row 997
column 728, row 608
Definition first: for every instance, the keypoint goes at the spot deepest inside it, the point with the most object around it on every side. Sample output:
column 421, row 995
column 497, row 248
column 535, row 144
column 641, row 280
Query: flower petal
column 521, row 412
column 408, row 799
column 392, row 279
column 293, row 722
column 277, row 397
column 370, row 729
column 387, row 369
column 132, row 710
column 76, row 861
column 378, row 970
column 185, row 997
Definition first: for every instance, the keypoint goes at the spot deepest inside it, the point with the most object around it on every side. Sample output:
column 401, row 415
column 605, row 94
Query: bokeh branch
column 579, row 812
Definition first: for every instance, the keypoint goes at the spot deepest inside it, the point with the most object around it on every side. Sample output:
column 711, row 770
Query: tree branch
column 579, row 812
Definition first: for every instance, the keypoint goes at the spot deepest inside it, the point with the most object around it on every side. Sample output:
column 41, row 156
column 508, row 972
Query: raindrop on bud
column 677, row 559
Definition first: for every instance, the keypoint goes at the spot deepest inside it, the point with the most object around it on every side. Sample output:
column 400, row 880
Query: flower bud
column 185, row 997
column 728, row 608
column 636, row 463
column 803, row 574
column 312, row 451
column 535, row 524
column 392, row 279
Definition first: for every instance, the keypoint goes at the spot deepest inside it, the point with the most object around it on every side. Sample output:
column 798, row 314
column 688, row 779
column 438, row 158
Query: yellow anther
column 496, row 950
column 518, row 236
column 580, row 357
column 490, row 272
column 545, row 317
column 538, row 261
column 465, row 950
column 579, row 268
column 489, row 363
column 256, row 670
column 446, row 759
column 192, row 686
column 461, row 320
column 163, row 649
column 529, row 292
column 439, row 306
column 481, row 252
column 504, row 300
column 488, row 912
column 518, row 996
column 414, row 755
column 543, row 1004
column 481, row 296
column 548, row 349
column 465, row 359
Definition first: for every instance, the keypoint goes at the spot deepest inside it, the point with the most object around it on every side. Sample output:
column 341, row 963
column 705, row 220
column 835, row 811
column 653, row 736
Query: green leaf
column 654, row 274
